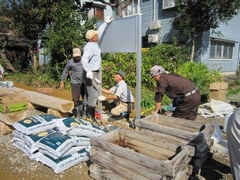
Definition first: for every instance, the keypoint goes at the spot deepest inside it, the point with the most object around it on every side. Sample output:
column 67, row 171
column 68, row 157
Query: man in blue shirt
column 91, row 60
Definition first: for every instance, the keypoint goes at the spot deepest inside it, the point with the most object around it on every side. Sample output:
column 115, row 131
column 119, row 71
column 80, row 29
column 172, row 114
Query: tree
column 60, row 24
column 193, row 17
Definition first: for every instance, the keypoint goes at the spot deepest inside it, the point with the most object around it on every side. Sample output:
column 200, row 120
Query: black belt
column 96, row 71
column 129, row 102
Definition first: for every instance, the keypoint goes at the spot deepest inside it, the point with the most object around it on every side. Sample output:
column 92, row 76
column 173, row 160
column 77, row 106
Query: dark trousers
column 77, row 91
column 187, row 108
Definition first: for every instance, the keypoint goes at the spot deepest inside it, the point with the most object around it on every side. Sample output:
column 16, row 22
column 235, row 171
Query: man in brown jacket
column 185, row 95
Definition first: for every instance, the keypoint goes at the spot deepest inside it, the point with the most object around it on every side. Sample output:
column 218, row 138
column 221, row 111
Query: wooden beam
column 42, row 100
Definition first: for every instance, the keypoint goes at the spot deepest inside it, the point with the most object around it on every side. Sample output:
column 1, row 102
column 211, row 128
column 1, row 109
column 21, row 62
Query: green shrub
column 199, row 74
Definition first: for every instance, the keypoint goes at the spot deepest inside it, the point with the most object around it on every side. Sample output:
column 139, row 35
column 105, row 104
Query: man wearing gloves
column 184, row 93
column 91, row 60
column 74, row 65
column 121, row 96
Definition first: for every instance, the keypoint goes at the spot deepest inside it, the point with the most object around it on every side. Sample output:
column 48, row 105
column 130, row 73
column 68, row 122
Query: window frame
column 169, row 6
column 223, row 47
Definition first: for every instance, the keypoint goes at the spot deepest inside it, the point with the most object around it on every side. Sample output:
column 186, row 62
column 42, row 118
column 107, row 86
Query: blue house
column 217, row 52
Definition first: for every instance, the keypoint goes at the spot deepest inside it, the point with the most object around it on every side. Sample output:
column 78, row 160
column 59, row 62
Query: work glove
column 89, row 75
column 101, row 98
column 108, row 19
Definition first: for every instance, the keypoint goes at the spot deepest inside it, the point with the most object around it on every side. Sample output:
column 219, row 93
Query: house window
column 168, row 4
column 221, row 50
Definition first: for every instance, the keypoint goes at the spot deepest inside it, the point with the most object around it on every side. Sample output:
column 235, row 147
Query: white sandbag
column 65, row 124
column 56, row 143
column 79, row 127
column 35, row 124
column 81, row 141
column 24, row 148
column 217, row 135
column 65, row 162
column 70, row 151
column 31, row 139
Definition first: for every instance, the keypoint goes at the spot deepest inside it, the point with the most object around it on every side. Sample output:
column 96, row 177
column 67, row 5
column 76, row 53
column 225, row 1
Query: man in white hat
column 74, row 67
column 91, row 60
column 185, row 95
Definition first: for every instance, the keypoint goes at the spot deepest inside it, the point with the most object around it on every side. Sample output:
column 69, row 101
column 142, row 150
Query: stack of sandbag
column 60, row 143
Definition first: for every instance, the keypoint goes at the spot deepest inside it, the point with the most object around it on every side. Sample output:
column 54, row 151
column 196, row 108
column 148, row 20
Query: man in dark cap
column 120, row 95
column 185, row 95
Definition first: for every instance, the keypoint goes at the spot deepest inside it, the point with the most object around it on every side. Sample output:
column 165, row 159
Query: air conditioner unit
column 155, row 25
column 153, row 38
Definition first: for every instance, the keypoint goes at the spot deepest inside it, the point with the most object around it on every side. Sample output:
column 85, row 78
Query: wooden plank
column 103, row 172
column 184, row 174
column 112, row 136
column 177, row 126
column 196, row 136
column 97, row 153
column 148, row 149
column 103, row 121
column 157, row 118
column 13, row 90
column 117, row 169
column 170, row 138
column 11, row 118
column 57, row 113
column 163, row 167
column 96, row 176
column 162, row 143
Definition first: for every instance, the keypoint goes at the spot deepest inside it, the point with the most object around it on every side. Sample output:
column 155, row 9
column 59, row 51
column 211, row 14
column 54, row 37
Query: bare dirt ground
column 15, row 164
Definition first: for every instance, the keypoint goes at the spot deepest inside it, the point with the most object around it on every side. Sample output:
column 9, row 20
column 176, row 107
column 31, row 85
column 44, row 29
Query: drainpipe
column 154, row 5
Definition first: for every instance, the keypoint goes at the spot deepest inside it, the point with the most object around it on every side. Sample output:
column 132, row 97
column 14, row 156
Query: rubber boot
column 91, row 111
column 81, row 111
column 76, row 112
column 84, row 111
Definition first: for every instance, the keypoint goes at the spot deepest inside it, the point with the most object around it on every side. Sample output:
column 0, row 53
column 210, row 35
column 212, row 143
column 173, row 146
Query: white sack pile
column 215, row 108
column 59, row 143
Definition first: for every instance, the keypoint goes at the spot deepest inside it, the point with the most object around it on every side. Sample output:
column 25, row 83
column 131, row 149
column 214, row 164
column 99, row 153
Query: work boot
column 84, row 112
column 76, row 112
column 91, row 111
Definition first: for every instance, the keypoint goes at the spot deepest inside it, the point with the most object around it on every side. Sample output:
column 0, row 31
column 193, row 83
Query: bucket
column 226, row 121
